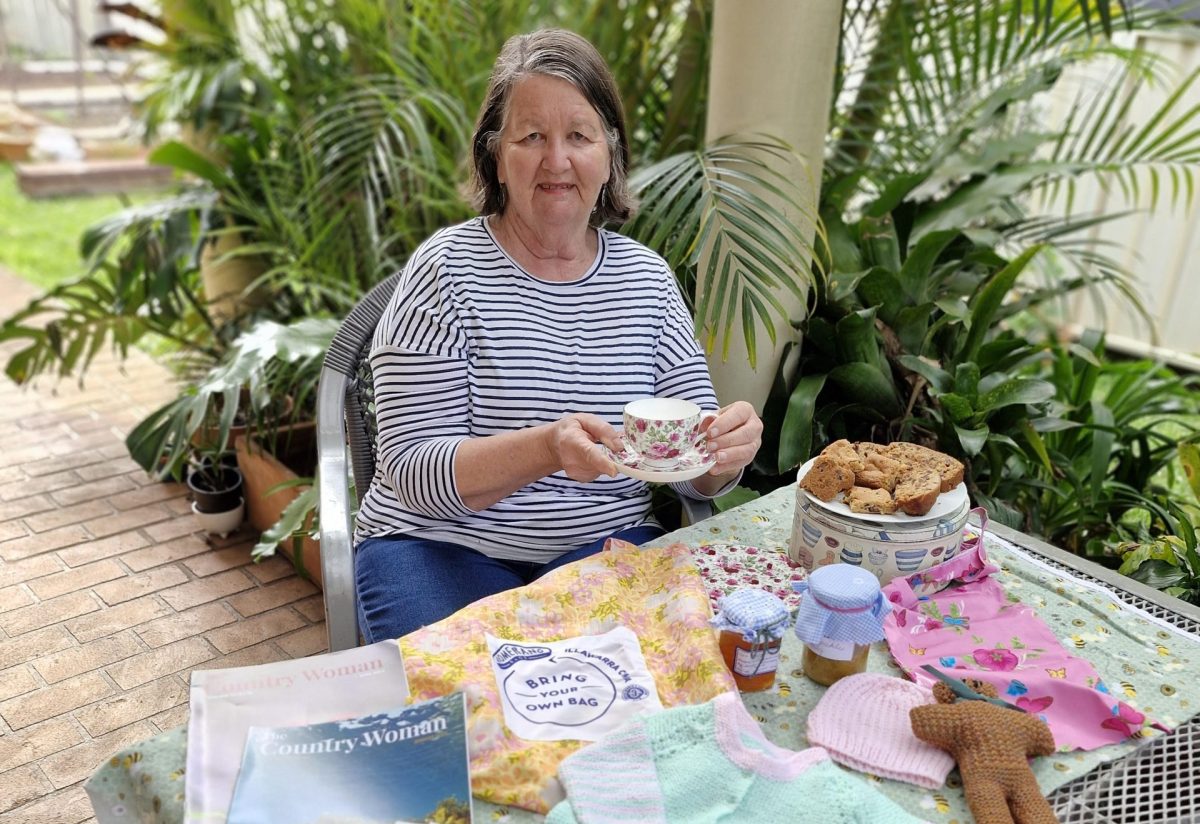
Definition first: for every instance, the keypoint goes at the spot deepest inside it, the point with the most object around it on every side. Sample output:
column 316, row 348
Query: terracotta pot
column 206, row 436
column 262, row 470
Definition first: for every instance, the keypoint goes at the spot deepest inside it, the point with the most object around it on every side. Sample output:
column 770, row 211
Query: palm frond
column 729, row 207
column 1162, row 151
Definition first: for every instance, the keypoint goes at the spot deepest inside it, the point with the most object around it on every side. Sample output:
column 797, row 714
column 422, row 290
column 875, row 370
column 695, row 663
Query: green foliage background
column 330, row 140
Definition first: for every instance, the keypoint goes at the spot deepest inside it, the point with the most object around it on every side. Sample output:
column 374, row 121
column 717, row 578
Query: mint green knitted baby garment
column 711, row 763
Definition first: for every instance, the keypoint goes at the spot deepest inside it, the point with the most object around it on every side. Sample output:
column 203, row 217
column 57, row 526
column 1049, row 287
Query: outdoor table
column 1142, row 642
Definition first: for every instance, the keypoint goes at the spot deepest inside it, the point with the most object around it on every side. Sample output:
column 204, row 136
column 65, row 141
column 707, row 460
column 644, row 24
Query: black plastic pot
column 215, row 491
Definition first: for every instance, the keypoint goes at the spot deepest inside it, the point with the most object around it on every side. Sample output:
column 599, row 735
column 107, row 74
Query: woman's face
column 553, row 157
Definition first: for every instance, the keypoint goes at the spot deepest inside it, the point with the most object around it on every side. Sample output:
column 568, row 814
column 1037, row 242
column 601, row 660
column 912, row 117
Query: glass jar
column 753, row 665
column 841, row 614
column 752, row 623
column 824, row 664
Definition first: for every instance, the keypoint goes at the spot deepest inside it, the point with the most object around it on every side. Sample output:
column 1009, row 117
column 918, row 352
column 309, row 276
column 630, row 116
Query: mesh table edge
column 1155, row 783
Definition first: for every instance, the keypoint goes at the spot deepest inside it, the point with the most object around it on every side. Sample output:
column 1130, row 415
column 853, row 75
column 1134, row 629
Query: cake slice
column 870, row 501
column 878, row 472
column 844, row 452
column 950, row 470
column 827, row 477
column 918, row 489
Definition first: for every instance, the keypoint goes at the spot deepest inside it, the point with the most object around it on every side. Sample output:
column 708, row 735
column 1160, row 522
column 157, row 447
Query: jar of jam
column 752, row 624
column 840, row 615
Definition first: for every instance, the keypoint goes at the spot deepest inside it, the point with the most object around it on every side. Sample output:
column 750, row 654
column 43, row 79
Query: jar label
column 757, row 661
column 833, row 650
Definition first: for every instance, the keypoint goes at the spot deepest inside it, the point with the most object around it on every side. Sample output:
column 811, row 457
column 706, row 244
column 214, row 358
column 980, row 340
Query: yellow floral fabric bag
column 657, row 593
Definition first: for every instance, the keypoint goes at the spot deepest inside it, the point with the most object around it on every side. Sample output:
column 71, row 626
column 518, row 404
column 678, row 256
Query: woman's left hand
column 734, row 436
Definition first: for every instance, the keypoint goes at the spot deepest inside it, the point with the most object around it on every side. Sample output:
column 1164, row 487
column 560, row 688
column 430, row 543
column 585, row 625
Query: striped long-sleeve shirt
column 472, row 345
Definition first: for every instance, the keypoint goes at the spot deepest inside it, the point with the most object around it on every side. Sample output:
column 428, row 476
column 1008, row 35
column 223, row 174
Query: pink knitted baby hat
column 862, row 720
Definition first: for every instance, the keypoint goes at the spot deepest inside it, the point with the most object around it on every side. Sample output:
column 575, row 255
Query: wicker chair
column 346, row 417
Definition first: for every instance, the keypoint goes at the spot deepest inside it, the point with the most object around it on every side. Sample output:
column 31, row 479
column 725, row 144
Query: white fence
column 1161, row 247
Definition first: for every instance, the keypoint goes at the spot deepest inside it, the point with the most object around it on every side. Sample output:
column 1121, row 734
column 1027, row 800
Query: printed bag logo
column 541, row 692
column 577, row 689
column 509, row 654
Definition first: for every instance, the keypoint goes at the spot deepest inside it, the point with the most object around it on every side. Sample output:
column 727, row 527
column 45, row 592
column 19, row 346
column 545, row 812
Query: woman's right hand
column 574, row 444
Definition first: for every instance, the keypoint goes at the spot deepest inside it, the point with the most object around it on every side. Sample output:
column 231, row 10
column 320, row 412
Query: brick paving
column 109, row 596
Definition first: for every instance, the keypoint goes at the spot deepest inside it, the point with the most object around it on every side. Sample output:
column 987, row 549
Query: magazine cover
column 225, row 703
column 402, row 765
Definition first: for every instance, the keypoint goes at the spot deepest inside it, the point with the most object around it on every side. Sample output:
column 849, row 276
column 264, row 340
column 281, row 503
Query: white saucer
column 946, row 505
column 692, row 464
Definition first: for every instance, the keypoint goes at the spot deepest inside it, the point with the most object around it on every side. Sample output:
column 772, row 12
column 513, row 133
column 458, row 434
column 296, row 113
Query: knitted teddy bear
column 991, row 745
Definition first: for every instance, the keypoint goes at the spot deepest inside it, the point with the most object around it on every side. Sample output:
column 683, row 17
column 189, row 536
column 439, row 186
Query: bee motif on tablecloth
column 1078, row 641
column 936, row 801
column 785, row 689
column 1129, row 690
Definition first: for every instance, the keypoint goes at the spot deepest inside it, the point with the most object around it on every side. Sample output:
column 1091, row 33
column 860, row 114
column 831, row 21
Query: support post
column 771, row 72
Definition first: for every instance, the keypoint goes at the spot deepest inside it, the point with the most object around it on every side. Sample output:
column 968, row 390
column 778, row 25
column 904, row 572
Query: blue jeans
column 405, row 583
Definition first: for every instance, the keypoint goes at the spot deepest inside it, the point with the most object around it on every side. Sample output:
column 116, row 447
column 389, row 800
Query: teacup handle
column 700, row 444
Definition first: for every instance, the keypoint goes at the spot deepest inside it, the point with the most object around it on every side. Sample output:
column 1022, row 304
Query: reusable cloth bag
column 656, row 593
column 957, row 617
column 580, row 688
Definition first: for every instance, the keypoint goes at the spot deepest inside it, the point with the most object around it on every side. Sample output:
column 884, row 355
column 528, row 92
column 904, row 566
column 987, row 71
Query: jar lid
column 755, row 613
column 843, row 586
column 841, row 602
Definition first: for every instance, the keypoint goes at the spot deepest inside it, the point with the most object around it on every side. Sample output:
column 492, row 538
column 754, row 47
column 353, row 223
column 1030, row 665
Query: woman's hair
column 566, row 55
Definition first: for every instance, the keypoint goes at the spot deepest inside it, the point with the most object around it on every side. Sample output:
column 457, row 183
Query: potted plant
column 215, row 484
column 259, row 398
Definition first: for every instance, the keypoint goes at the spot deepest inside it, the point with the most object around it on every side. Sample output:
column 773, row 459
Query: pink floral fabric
column 728, row 567
column 962, row 621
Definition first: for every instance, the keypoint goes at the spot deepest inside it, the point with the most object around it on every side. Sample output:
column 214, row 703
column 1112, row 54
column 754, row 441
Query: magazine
column 225, row 703
column 402, row 765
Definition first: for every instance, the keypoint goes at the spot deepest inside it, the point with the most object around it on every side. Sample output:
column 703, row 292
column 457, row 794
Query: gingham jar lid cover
column 841, row 602
column 755, row 613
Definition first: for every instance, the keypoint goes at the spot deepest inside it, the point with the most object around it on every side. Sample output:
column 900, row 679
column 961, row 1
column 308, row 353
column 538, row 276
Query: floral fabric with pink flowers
column 972, row 628
column 726, row 568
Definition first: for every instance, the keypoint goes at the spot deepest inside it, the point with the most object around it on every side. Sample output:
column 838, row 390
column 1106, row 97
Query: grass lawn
column 39, row 239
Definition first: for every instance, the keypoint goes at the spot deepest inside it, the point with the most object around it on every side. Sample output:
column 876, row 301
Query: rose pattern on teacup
column 627, row 457
column 662, row 431
column 662, row 441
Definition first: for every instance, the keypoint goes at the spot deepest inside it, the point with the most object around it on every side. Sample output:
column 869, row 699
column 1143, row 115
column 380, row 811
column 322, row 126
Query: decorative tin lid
column 841, row 603
column 758, row 615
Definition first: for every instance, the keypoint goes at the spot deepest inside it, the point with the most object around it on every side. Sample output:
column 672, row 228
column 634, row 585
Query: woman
column 507, row 354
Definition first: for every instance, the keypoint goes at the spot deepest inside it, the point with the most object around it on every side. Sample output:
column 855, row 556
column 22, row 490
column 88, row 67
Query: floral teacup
column 662, row 430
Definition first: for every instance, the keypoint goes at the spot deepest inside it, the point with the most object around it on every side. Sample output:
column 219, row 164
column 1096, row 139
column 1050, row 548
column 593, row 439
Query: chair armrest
column 337, row 551
column 695, row 511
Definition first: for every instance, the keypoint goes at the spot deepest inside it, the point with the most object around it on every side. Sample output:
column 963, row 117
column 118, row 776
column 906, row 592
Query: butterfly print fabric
column 969, row 628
